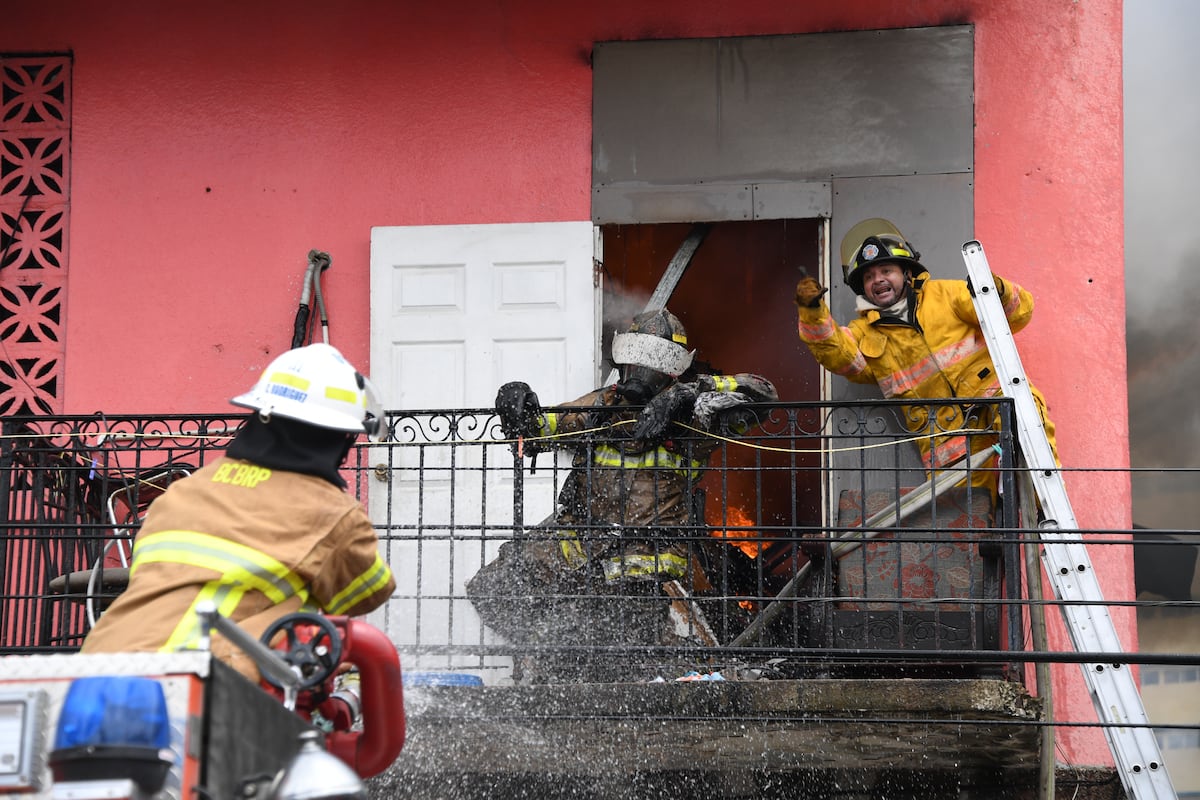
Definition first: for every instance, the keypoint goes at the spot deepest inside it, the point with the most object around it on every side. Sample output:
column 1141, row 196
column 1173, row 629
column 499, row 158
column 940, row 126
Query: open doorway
column 735, row 300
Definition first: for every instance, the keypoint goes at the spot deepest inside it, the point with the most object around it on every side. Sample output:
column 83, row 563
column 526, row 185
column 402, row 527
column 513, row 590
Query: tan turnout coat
column 259, row 543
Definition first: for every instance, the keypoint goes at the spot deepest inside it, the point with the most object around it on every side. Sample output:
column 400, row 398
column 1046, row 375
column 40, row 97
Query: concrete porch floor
column 846, row 738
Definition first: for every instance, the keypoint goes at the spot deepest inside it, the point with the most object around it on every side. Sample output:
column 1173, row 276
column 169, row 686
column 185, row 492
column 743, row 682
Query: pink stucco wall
column 215, row 143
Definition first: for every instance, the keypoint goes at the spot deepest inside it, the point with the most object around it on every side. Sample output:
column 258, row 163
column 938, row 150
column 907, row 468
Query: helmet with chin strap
column 876, row 241
column 651, row 354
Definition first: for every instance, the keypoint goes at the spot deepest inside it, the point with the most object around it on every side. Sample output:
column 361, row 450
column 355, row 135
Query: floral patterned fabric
column 902, row 563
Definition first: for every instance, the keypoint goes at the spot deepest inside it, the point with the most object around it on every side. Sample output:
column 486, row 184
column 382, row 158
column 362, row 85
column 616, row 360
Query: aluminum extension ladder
column 1114, row 693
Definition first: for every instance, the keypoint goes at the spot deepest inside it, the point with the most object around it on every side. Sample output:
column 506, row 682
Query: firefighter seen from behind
column 265, row 530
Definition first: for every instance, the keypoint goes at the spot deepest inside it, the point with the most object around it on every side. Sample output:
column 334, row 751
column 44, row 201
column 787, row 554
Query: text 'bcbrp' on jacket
column 257, row 542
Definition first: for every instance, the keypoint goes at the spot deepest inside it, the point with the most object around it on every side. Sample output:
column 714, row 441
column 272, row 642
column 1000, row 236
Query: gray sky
column 1162, row 255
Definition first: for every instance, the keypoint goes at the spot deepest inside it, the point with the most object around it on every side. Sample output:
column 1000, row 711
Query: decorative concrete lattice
column 35, row 158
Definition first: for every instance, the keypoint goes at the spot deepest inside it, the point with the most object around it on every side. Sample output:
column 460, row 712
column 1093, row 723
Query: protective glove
column 809, row 292
column 673, row 404
column 518, row 409
column 710, row 406
column 756, row 388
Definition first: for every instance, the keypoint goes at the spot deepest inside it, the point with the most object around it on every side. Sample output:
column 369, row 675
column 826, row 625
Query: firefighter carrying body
column 625, row 522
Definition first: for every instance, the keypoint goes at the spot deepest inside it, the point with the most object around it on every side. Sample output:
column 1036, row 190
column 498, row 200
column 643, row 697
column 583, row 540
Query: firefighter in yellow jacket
column 916, row 338
column 625, row 519
column 265, row 530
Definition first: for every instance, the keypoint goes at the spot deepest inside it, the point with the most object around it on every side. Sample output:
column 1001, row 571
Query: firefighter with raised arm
column 266, row 529
column 594, row 573
column 915, row 337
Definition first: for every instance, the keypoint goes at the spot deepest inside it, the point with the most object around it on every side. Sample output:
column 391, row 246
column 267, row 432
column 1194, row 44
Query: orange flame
column 744, row 539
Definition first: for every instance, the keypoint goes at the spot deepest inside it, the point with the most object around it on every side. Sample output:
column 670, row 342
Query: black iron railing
column 815, row 544
column 782, row 574
column 73, row 491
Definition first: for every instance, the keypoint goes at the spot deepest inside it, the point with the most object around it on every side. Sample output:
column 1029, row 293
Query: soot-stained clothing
column 592, row 575
column 639, row 486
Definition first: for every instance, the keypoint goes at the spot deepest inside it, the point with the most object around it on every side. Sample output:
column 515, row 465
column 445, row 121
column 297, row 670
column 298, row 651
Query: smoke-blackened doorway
column 735, row 299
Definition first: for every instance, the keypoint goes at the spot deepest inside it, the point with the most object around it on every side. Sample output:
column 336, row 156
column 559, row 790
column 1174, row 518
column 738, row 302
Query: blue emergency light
column 112, row 728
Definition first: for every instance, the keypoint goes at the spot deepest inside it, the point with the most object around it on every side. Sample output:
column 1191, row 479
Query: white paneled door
column 477, row 305
column 457, row 310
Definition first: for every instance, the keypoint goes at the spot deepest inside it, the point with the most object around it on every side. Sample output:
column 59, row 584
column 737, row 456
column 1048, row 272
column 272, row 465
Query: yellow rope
column 753, row 445
column 102, row 435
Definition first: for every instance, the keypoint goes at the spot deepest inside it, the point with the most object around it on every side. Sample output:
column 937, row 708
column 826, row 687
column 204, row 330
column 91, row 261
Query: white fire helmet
column 317, row 385
column 655, row 340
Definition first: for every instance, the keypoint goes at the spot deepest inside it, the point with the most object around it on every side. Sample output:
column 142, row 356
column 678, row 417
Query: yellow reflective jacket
column 259, row 543
column 944, row 355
